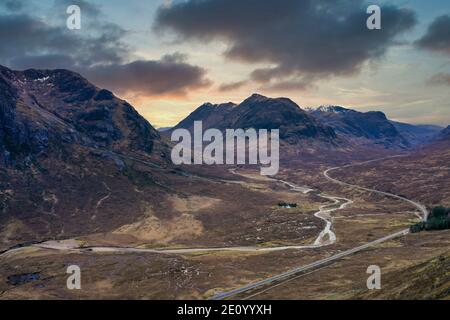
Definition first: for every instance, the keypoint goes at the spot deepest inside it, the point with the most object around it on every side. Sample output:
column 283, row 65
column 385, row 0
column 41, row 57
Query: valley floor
column 202, row 274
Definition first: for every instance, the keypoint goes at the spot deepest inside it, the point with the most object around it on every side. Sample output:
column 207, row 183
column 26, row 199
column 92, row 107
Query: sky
column 167, row 57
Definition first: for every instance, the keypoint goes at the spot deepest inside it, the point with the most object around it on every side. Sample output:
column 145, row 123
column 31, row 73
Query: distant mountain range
column 335, row 125
column 417, row 134
column 260, row 112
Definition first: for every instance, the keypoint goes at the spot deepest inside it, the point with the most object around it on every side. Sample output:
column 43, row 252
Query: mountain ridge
column 367, row 127
column 260, row 112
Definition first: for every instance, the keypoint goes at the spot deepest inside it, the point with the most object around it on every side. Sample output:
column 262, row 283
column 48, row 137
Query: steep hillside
column 65, row 150
column 212, row 116
column 427, row 280
column 421, row 175
column 361, row 127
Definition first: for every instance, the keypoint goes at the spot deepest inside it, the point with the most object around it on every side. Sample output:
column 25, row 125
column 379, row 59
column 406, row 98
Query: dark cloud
column 102, row 55
column 26, row 39
column 440, row 79
column 44, row 61
column 311, row 37
column 231, row 86
column 169, row 75
column 437, row 37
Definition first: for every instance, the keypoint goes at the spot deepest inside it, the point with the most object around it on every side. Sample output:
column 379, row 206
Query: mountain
column 65, row 147
column 417, row 134
column 260, row 112
column 46, row 111
column 444, row 134
column 212, row 115
column 363, row 127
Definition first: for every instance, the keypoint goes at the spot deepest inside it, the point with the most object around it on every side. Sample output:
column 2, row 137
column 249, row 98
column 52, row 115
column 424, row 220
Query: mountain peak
column 260, row 112
column 259, row 101
column 256, row 97
column 333, row 109
column 207, row 105
column 208, row 113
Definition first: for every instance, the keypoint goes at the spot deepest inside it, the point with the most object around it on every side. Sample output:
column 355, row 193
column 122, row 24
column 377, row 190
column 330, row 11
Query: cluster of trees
column 439, row 219
column 287, row 205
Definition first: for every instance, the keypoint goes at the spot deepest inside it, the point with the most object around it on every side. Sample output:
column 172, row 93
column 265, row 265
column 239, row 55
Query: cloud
column 317, row 38
column 437, row 37
column 440, row 79
column 44, row 61
column 31, row 40
column 231, row 86
column 101, row 55
column 170, row 75
column 87, row 8
column 291, row 85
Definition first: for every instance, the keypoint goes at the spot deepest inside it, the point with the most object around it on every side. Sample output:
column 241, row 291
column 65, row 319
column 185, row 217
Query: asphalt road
column 323, row 213
column 419, row 206
column 73, row 246
column 276, row 280
column 320, row 263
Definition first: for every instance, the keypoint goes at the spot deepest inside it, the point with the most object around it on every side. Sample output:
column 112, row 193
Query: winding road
column 267, row 284
column 276, row 280
column 326, row 237
column 419, row 206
